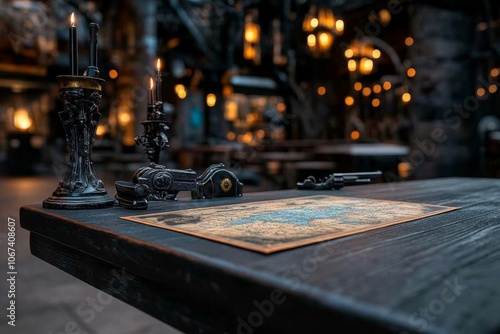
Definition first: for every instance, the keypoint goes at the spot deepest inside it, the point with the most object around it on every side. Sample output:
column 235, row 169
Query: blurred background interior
column 275, row 90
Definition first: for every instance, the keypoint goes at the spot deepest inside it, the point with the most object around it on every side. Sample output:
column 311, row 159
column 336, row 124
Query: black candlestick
column 73, row 47
column 93, row 70
column 154, row 137
column 79, row 188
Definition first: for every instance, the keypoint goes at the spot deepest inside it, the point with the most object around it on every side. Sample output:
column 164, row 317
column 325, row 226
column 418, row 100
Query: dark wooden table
column 439, row 274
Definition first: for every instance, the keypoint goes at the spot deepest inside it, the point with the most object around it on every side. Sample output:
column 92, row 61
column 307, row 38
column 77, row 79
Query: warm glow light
column 314, row 22
column 231, row 111
column 406, row 97
column 252, row 33
column 405, row 169
column 352, row 65
column 251, row 118
column 495, row 72
column 339, row 26
column 22, row 119
column 358, row 86
column 72, row 19
column 375, row 103
column 480, row 92
column 180, row 90
column 387, row 85
column 260, row 134
column 151, row 83
column 411, row 72
column 321, row 90
column 124, row 118
column 376, row 54
column 385, row 16
column 281, row 106
column 355, row 135
column 182, row 94
column 493, row 88
column 311, row 40
column 158, row 65
column 231, row 135
column 349, row 101
column 128, row 140
column 365, row 66
column 101, row 130
column 409, row 41
column 113, row 74
column 211, row 100
column 247, row 138
column 325, row 40
column 377, row 88
column 227, row 90
column 349, row 53
column 367, row 91
column 249, row 51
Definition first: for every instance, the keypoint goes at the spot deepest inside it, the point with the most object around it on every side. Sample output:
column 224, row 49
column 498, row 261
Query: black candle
column 150, row 93
column 158, row 81
column 93, row 70
column 73, row 49
column 151, row 107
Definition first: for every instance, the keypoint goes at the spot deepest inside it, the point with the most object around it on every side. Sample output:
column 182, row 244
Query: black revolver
column 338, row 180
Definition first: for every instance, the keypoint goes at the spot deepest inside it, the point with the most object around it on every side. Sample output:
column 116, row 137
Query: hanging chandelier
column 322, row 28
column 361, row 56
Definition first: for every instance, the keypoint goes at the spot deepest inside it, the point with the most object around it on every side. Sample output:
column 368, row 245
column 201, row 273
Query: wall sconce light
column 251, row 38
column 322, row 27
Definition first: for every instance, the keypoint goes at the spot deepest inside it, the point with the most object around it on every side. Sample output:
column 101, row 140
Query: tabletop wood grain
column 439, row 274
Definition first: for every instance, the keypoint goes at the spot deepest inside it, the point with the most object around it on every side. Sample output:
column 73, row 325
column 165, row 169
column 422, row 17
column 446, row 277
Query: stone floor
column 49, row 301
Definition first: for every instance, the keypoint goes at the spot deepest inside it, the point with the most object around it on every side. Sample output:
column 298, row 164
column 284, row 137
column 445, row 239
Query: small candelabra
column 163, row 183
column 154, row 137
column 80, row 188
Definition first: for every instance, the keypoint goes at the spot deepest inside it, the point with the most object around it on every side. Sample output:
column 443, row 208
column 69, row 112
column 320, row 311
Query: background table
column 439, row 274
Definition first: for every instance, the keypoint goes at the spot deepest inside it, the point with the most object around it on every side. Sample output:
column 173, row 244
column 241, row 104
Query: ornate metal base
column 83, row 201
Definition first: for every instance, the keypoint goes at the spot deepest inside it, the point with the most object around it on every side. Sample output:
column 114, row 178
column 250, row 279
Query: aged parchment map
column 271, row 226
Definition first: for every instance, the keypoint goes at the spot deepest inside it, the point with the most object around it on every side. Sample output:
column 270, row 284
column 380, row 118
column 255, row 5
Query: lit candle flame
column 151, row 82
column 72, row 19
column 158, row 64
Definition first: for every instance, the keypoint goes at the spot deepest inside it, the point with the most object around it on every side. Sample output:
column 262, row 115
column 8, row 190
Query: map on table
column 276, row 225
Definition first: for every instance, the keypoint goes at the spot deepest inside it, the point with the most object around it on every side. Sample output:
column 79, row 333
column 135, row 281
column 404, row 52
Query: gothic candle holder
column 154, row 138
column 80, row 188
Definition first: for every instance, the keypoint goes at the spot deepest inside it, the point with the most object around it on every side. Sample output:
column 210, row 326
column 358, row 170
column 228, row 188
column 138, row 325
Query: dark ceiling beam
column 199, row 36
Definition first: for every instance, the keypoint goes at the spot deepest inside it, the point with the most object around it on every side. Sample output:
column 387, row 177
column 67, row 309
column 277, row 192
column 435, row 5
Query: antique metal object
column 154, row 138
column 217, row 181
column 131, row 195
column 80, row 188
column 338, row 180
column 165, row 183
